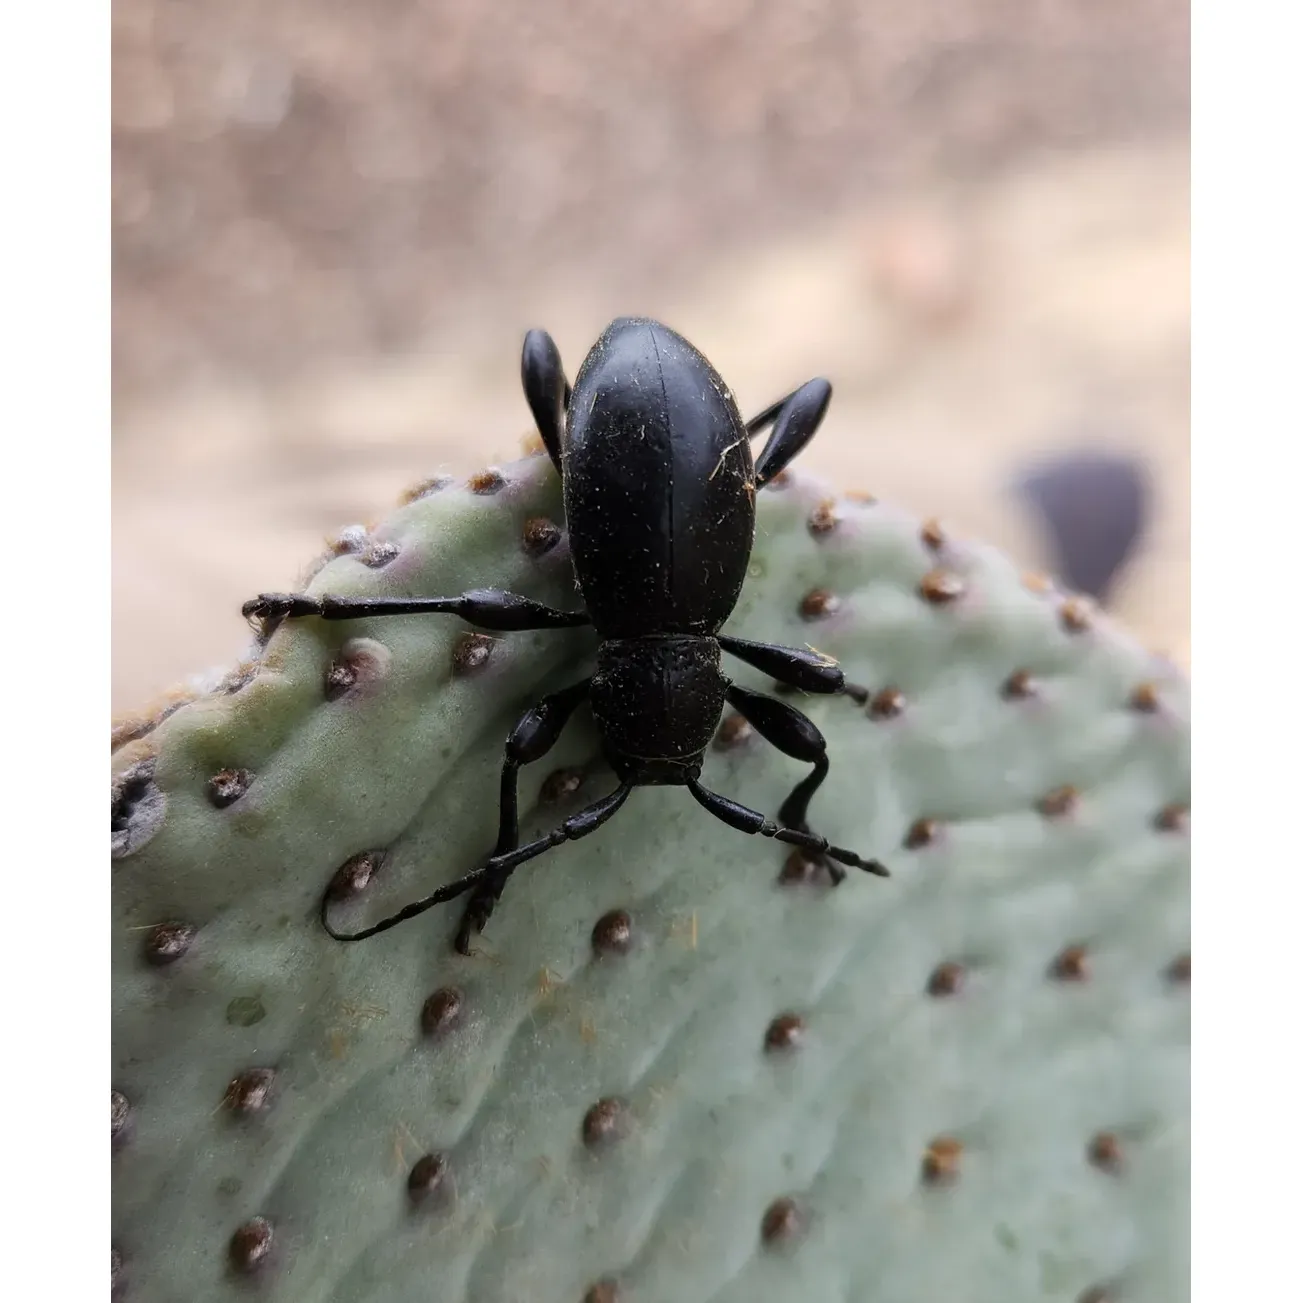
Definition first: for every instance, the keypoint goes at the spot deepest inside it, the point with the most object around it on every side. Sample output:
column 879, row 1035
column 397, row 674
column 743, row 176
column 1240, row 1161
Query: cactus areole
column 659, row 488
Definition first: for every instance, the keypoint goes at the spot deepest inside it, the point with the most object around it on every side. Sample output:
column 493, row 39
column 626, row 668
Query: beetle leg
column 797, row 667
column 535, row 734
column 487, row 608
column 547, row 391
column 747, row 820
column 796, row 420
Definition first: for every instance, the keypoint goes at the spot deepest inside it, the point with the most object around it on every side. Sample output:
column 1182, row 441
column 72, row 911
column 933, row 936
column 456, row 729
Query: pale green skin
column 1022, row 1069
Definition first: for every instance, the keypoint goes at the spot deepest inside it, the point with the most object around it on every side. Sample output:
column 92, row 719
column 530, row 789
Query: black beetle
column 660, row 486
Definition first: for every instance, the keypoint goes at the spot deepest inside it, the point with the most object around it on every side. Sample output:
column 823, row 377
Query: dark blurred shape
column 1095, row 507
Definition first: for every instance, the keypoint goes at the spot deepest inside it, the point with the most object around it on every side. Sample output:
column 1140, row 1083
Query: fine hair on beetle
column 659, row 487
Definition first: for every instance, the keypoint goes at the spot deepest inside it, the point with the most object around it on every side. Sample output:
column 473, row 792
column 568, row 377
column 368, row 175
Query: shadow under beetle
column 660, row 489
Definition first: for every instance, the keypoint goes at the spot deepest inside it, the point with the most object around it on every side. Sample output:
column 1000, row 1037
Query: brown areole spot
column 782, row 1223
column 165, row 943
column 470, row 654
column 227, row 786
column 613, row 933
column 606, row 1122
column 250, row 1091
column 941, row 587
column 946, row 979
column 733, row 732
column 941, row 1160
column 487, row 482
column 251, row 1245
column 442, row 1011
column 354, row 876
column 427, row 1178
column 539, row 536
column 786, row 1032
column 819, row 603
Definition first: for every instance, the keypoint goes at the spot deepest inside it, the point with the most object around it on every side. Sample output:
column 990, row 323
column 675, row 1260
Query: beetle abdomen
column 659, row 485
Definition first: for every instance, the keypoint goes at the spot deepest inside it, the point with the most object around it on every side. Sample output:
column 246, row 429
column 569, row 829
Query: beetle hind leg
column 547, row 391
column 796, row 420
column 793, row 734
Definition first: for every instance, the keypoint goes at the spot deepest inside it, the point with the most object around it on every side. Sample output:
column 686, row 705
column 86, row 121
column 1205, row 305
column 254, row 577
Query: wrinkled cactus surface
column 679, row 1066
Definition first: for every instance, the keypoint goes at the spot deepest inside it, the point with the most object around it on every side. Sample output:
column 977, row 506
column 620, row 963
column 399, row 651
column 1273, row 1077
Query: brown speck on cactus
column 940, row 587
column 378, row 555
column 819, row 603
column 922, row 832
column 933, row 535
column 860, row 496
column 1035, row 582
column 539, row 536
column 441, row 1011
column 607, row 1121
column 1076, row 614
column 250, row 1091
column 946, row 979
column 786, row 1032
column 1173, row 818
column 424, row 489
column 780, row 481
column 800, row 868
column 1059, row 802
column 613, row 933
column 823, row 519
column 1145, row 698
column 427, row 1178
column 138, row 807
column 227, row 786
column 251, row 1245
column 354, row 876
column 1178, row 971
column 941, row 1160
column 1070, row 965
column 1019, row 686
column 782, row 1223
column 1105, row 1152
column 487, row 482
column 560, row 785
column 733, row 733
column 340, row 676
column 165, row 943
column 470, row 654
column 359, row 663
column 886, row 704
column 121, row 1115
column 605, row 1290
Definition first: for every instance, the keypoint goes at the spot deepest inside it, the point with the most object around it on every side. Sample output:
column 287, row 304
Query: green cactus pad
column 680, row 1066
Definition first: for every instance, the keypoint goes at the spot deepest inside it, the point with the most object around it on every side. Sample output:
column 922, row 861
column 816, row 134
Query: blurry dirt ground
column 971, row 216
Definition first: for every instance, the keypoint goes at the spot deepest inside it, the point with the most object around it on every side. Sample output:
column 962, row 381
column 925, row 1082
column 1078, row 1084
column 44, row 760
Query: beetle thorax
column 657, row 701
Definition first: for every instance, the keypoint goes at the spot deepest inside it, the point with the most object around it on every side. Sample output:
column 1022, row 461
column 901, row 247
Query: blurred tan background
column 333, row 221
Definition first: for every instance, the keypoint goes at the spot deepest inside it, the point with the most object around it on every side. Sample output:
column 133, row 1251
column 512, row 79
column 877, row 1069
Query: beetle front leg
column 486, row 608
column 797, row 667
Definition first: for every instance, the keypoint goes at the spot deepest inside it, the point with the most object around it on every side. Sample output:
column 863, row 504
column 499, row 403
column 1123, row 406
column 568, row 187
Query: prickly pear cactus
column 679, row 1066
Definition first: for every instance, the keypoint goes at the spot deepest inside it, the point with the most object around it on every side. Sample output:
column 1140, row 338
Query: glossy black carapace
column 660, row 501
